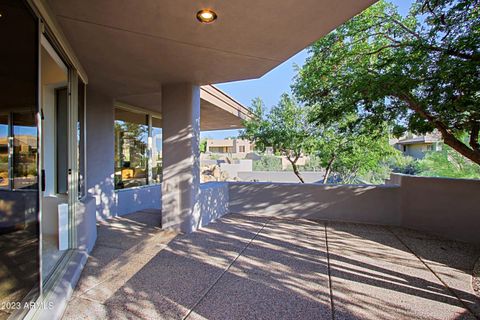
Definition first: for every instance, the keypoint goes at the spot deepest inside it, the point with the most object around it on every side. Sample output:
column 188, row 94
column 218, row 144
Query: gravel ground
column 476, row 278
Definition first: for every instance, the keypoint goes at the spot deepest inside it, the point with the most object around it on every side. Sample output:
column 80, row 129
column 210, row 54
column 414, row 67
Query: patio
column 250, row 267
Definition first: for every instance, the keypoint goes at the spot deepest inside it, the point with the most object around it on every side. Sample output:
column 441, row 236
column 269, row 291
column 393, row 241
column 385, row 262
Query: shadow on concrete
column 244, row 266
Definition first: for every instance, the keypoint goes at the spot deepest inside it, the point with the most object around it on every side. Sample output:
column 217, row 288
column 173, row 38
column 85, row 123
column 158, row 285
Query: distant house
column 236, row 147
column 418, row 146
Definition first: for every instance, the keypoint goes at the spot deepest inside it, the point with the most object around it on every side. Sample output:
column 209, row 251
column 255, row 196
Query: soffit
column 133, row 47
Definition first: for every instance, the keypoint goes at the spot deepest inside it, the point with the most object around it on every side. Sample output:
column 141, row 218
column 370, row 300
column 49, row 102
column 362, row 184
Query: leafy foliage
column 267, row 163
column 399, row 163
column 351, row 148
column 285, row 128
column 203, row 145
column 419, row 72
column 448, row 163
column 348, row 147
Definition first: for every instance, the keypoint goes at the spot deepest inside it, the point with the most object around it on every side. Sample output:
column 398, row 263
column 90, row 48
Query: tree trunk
column 459, row 146
column 295, row 168
column 328, row 169
column 447, row 136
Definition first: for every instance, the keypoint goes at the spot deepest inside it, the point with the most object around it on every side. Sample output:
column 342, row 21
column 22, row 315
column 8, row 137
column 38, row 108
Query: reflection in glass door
column 19, row 229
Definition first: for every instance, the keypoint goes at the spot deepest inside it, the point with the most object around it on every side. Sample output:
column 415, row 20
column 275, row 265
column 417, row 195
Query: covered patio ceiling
column 134, row 47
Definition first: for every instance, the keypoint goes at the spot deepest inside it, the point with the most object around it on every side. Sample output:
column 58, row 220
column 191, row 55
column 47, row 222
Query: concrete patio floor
column 246, row 267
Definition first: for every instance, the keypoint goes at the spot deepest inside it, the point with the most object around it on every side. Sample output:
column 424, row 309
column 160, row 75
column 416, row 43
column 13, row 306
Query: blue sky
column 273, row 84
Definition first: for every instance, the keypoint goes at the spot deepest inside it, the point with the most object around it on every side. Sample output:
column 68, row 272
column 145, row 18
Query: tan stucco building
column 235, row 147
column 417, row 146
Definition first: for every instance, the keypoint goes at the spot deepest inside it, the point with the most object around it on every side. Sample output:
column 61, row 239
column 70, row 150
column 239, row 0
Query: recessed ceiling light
column 206, row 16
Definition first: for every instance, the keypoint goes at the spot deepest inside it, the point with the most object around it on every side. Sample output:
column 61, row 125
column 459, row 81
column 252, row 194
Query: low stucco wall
column 86, row 224
column 213, row 201
column 365, row 204
column 136, row 199
column 446, row 207
column 281, row 176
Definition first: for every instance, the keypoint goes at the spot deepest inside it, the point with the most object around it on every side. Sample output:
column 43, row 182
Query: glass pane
column 156, row 151
column 81, row 138
column 19, row 229
column 61, row 125
column 4, row 179
column 24, row 150
column 131, row 145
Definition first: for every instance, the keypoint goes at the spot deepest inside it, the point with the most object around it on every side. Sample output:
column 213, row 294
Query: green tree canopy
column 350, row 148
column 448, row 163
column 285, row 128
column 420, row 72
column 347, row 147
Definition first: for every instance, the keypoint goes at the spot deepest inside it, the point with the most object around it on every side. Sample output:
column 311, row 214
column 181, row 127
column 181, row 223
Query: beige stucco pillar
column 181, row 156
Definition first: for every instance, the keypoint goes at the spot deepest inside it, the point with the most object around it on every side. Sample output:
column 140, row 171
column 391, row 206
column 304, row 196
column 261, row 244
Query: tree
column 448, row 163
column 285, row 128
column 350, row 148
column 267, row 163
column 203, row 145
column 420, row 72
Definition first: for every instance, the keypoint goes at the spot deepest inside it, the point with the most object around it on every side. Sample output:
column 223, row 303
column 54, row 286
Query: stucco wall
column 214, row 202
column 135, row 199
column 281, row 176
column 100, row 164
column 233, row 169
column 100, row 152
column 447, row 207
column 86, row 224
column 367, row 204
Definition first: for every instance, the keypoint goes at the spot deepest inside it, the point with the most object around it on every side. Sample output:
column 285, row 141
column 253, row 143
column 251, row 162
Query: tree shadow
column 219, row 272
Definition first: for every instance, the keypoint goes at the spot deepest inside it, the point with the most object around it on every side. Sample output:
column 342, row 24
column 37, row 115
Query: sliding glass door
column 19, row 149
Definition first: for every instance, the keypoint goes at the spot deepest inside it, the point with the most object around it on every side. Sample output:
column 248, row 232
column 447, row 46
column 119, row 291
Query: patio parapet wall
column 214, row 203
column 446, row 207
column 349, row 203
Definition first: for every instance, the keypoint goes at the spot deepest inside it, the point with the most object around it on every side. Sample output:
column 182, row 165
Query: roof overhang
column 218, row 111
column 133, row 48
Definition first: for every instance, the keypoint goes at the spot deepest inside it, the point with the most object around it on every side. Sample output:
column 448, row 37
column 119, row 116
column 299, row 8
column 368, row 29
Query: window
column 138, row 149
column 4, row 178
column 24, row 150
column 241, row 149
column 18, row 151
column 156, row 158
column 131, row 146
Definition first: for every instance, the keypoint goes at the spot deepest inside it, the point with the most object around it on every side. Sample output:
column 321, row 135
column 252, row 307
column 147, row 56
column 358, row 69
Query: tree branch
column 295, row 168
column 462, row 55
column 448, row 137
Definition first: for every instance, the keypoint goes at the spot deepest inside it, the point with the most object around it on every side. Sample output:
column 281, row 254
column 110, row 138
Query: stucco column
column 181, row 156
column 100, row 151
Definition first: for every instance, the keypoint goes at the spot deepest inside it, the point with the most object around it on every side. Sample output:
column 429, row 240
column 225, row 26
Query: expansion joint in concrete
column 329, row 272
column 452, row 292
column 226, row 269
